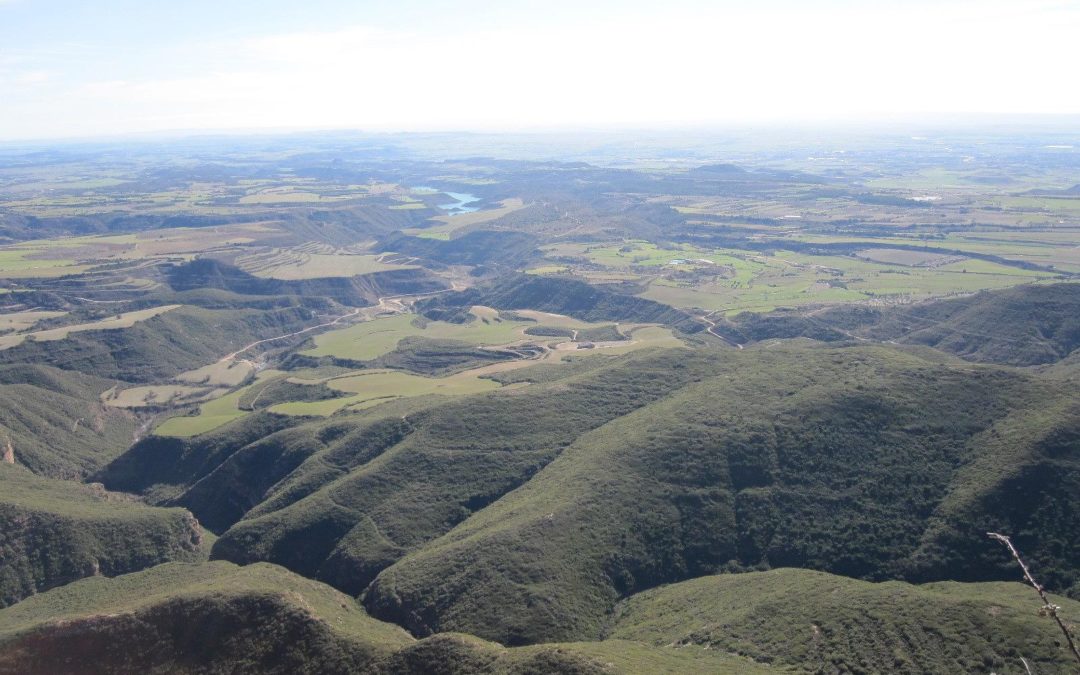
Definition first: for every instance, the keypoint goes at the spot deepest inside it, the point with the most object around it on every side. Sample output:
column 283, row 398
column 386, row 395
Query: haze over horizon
column 123, row 67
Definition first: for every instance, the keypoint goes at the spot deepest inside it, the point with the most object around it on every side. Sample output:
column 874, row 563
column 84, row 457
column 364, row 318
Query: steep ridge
column 456, row 459
column 53, row 532
column 174, row 463
column 866, row 462
column 1024, row 480
column 266, row 469
column 54, row 423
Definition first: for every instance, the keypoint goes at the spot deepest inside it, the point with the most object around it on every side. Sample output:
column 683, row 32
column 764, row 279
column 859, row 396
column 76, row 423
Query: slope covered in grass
column 180, row 617
column 165, row 463
column 53, row 532
column 162, row 347
column 217, row 617
column 1021, row 326
column 54, row 422
column 453, row 460
column 356, row 291
column 866, row 462
column 481, row 247
column 561, row 296
column 819, row 622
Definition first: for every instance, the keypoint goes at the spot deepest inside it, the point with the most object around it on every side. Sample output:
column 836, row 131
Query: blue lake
column 460, row 205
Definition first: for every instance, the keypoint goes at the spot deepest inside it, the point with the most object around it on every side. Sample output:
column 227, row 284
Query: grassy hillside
column 161, row 347
column 865, row 462
column 53, row 532
column 356, row 291
column 182, row 617
column 415, row 353
column 55, row 422
column 217, row 617
column 481, row 247
column 162, row 462
column 526, row 515
column 438, row 357
column 455, row 459
column 561, row 296
column 1021, row 326
column 818, row 622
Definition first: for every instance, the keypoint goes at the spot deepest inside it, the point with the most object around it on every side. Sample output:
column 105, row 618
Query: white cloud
column 704, row 65
column 33, row 77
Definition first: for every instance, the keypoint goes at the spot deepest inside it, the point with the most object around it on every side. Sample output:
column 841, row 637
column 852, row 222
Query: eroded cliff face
column 47, row 542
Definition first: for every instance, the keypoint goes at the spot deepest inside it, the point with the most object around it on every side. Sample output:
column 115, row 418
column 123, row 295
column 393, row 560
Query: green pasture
column 212, row 415
column 378, row 386
column 371, row 339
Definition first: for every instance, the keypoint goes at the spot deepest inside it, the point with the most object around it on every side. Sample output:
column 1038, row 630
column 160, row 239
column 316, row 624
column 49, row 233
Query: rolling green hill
column 866, row 462
column 217, row 617
column 53, row 532
column 526, row 515
column 816, row 622
column 374, row 506
column 195, row 618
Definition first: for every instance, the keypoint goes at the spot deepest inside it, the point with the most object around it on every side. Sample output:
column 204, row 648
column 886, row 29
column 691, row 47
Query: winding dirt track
column 383, row 305
column 238, row 352
column 712, row 326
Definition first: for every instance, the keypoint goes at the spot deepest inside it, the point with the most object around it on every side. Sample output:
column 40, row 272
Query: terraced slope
column 53, row 532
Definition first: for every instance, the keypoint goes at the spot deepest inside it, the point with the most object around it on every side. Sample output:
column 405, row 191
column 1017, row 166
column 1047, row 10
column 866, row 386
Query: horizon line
column 879, row 123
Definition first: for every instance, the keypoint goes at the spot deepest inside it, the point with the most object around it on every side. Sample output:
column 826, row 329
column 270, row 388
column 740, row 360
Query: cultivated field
column 124, row 320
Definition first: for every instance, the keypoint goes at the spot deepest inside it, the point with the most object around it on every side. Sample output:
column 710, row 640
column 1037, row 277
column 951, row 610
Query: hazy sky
column 84, row 68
